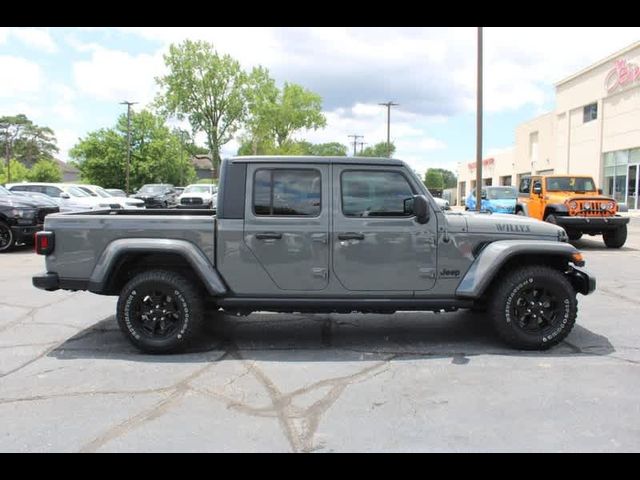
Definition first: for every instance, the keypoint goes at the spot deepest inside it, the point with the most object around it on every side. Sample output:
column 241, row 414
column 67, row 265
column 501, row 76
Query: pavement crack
column 300, row 436
column 176, row 392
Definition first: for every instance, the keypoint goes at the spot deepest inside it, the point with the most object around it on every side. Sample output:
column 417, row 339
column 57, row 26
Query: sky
column 73, row 79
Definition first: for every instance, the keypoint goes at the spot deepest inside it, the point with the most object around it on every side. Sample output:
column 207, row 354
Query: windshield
column 4, row 191
column 102, row 192
column 77, row 192
column 506, row 193
column 198, row 189
column 570, row 184
column 88, row 190
column 153, row 189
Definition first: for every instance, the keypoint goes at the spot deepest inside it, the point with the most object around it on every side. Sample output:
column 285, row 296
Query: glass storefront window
column 616, row 167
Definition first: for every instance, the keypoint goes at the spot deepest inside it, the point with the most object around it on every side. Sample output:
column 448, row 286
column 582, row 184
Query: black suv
column 157, row 195
column 20, row 218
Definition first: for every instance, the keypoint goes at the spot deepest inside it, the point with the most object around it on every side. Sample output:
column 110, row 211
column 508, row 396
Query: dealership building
column 594, row 130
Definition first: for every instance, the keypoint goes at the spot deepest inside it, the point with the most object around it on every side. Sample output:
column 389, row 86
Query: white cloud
column 67, row 138
column 19, row 77
column 113, row 76
column 38, row 38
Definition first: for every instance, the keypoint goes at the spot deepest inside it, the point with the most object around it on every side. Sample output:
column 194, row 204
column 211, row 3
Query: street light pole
column 389, row 105
column 479, row 127
column 128, row 104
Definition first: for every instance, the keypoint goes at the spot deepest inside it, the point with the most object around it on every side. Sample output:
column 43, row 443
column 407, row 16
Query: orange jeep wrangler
column 574, row 203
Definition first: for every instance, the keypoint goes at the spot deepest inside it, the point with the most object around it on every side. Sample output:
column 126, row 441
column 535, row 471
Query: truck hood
column 497, row 223
column 561, row 197
column 15, row 201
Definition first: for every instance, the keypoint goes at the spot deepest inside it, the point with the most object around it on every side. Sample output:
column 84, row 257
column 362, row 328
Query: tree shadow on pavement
column 331, row 338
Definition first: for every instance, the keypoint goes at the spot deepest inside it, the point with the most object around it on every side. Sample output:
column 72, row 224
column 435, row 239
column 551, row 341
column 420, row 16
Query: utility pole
column 389, row 105
column 362, row 144
column 479, row 127
column 128, row 104
column 355, row 142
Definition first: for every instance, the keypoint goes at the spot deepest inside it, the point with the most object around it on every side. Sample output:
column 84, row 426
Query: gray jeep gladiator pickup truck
column 316, row 234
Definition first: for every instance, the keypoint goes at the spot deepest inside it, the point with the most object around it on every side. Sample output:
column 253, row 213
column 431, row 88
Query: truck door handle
column 268, row 236
column 351, row 236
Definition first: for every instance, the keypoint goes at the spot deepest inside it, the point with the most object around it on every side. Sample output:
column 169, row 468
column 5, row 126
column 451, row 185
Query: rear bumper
column 46, row 281
column 592, row 224
column 582, row 281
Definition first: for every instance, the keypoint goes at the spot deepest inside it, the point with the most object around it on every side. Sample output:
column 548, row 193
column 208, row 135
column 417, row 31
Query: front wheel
column 534, row 308
column 7, row 238
column 520, row 212
column 160, row 311
column 615, row 238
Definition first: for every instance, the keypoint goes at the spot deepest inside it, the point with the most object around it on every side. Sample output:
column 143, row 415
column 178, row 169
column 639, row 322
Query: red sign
column 621, row 75
column 485, row 163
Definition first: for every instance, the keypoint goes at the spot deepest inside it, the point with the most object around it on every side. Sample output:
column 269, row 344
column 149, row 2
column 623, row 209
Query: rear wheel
column 615, row 238
column 534, row 308
column 573, row 235
column 7, row 239
column 160, row 311
column 551, row 219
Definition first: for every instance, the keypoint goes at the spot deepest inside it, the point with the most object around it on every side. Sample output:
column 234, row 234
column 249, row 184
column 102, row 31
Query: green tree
column 262, row 97
column 206, row 88
column 377, row 150
column 45, row 171
column 156, row 154
column 433, row 179
column 331, row 149
column 448, row 177
column 295, row 108
column 18, row 172
column 23, row 140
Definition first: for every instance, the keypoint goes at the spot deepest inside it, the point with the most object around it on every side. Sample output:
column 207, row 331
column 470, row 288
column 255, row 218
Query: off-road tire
column 573, row 235
column 520, row 212
column 615, row 238
column 511, row 290
column 9, row 239
column 181, row 293
column 551, row 219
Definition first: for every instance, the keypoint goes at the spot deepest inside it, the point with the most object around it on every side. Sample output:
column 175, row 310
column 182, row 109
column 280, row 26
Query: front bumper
column 582, row 281
column 25, row 233
column 592, row 224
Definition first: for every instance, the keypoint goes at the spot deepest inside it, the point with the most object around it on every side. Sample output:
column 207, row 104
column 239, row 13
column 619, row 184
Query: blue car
column 494, row 199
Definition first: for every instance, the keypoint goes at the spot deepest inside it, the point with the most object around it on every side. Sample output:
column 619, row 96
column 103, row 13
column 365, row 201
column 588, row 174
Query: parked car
column 116, row 192
column 319, row 235
column 179, row 190
column 125, row 202
column 442, row 203
column 199, row 195
column 20, row 218
column 157, row 195
column 494, row 199
column 574, row 203
column 66, row 195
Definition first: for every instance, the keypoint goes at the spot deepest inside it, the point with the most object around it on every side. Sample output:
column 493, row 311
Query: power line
column 355, row 142
column 389, row 105
column 128, row 104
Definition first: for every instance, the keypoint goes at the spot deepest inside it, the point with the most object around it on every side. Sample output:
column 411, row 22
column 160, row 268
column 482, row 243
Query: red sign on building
column 485, row 163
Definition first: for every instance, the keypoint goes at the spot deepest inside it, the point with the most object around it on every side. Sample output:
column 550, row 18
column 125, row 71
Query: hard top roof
column 315, row 159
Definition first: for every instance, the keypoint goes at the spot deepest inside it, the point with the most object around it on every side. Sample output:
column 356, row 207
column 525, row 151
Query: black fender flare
column 495, row 255
column 194, row 257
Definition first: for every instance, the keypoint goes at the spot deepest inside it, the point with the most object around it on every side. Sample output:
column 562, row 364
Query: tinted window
column 374, row 193
column 52, row 191
column 525, row 185
column 286, row 192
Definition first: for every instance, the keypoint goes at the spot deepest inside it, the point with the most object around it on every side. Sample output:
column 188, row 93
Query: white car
column 68, row 197
column 199, row 195
column 125, row 202
column 442, row 203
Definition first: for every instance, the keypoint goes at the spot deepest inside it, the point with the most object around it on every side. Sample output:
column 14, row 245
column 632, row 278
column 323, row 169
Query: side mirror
column 483, row 195
column 65, row 195
column 537, row 189
column 421, row 208
column 599, row 191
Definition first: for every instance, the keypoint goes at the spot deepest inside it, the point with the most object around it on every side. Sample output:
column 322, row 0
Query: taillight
column 44, row 243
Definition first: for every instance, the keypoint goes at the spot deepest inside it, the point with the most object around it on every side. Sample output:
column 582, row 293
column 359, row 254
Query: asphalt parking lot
column 69, row 381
